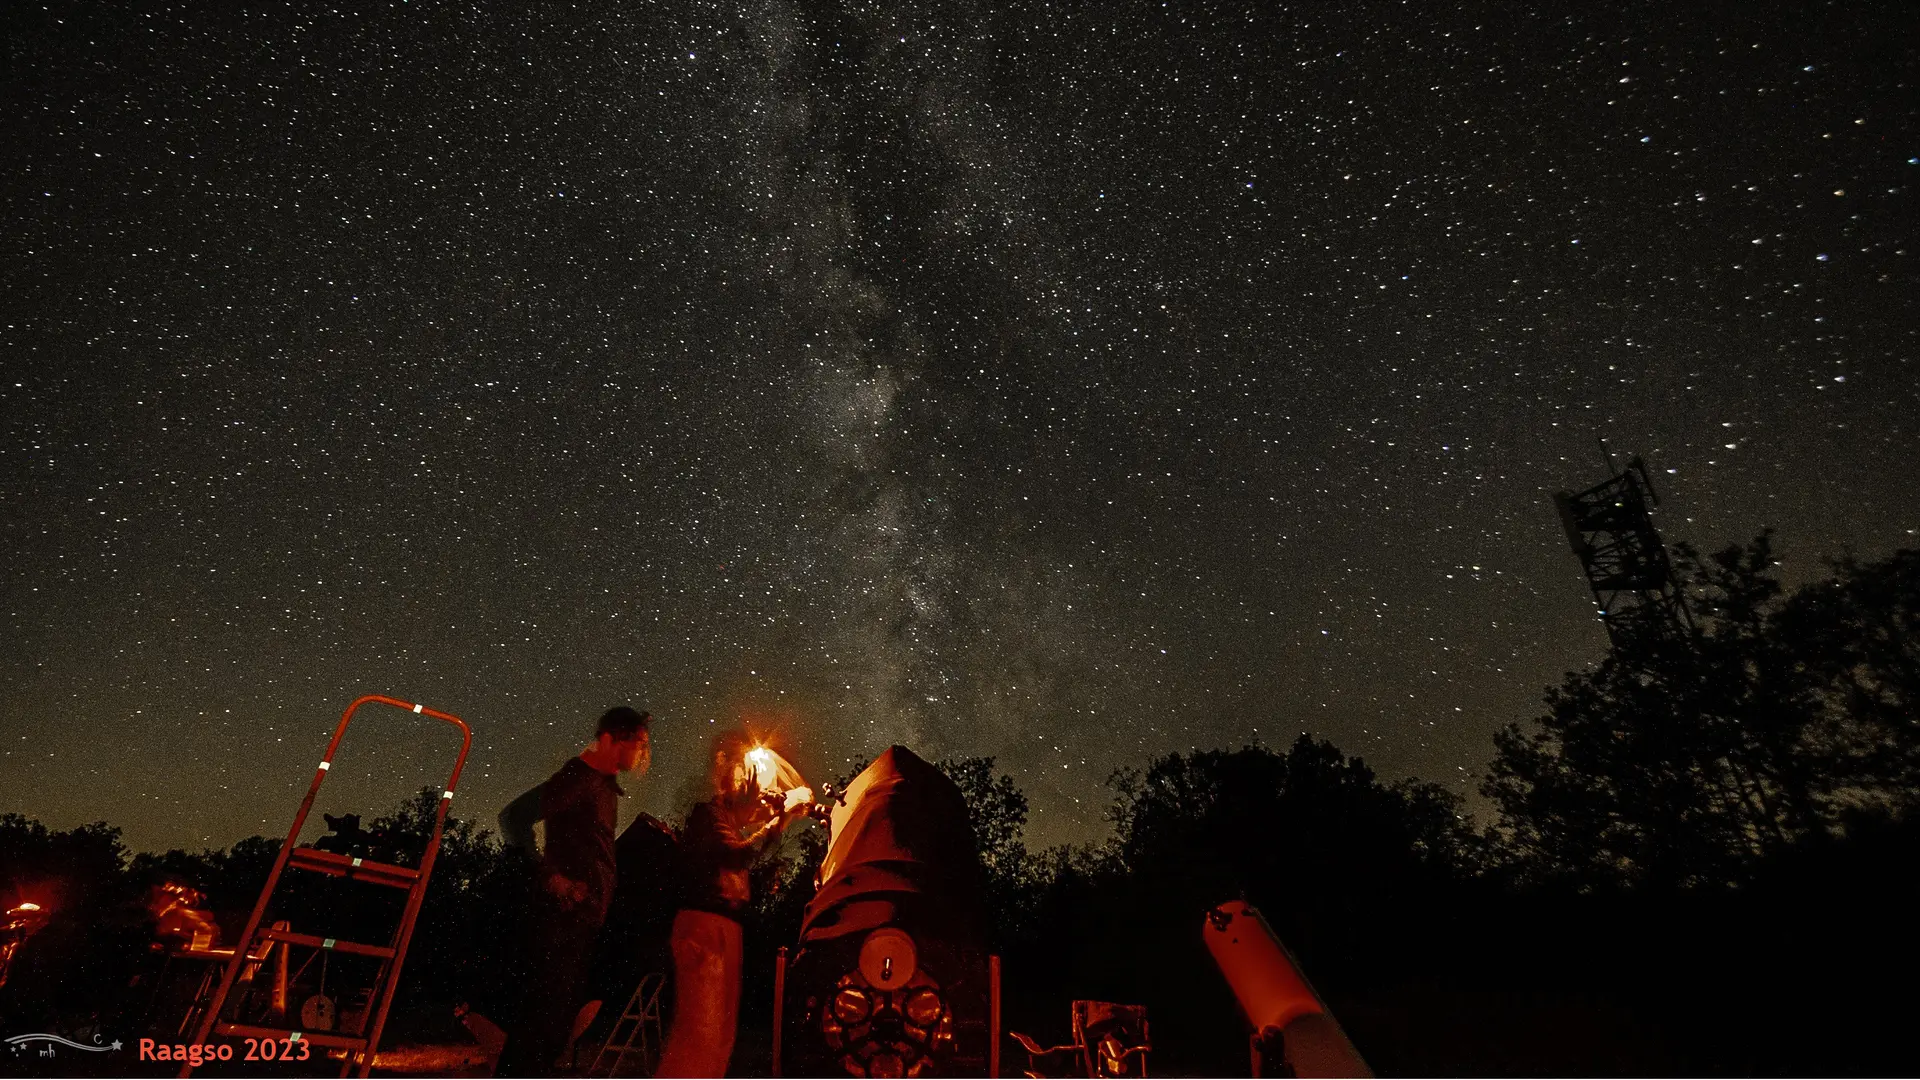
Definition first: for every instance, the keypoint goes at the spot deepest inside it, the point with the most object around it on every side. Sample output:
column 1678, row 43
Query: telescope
column 891, row 976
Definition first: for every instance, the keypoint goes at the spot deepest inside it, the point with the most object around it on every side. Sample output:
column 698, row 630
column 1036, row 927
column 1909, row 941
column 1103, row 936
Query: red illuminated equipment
column 892, row 977
column 19, row 923
column 390, row 956
column 1109, row 1040
column 1290, row 1022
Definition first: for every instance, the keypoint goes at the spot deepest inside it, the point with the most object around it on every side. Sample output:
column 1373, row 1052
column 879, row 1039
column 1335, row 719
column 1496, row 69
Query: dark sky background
column 1071, row 383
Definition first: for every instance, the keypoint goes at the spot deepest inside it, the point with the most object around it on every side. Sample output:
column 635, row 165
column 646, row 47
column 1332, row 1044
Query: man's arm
column 740, row 851
column 516, row 821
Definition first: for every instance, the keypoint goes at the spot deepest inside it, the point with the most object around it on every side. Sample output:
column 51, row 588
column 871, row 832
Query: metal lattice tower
column 1611, row 528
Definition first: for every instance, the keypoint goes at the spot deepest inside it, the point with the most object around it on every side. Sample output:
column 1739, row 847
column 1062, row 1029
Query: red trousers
column 706, row 995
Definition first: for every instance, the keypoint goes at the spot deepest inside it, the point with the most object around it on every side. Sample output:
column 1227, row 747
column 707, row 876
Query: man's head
column 623, row 740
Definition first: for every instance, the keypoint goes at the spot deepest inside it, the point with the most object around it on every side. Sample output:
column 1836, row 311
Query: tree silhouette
column 49, row 868
column 1856, row 639
column 997, row 809
column 1214, row 824
column 1686, row 757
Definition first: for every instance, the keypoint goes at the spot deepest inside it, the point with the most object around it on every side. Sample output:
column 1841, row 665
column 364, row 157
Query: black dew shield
column 890, row 975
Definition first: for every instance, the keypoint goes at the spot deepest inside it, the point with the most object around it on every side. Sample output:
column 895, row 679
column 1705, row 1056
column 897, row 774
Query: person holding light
column 723, row 837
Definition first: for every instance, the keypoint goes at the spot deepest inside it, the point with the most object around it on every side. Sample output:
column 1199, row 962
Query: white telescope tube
column 1278, row 1000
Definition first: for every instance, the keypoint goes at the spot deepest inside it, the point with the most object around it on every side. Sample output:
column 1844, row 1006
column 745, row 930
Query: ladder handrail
column 415, row 893
column 418, row 894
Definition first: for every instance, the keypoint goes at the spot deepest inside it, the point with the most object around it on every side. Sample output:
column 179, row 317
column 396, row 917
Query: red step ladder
column 359, row 1049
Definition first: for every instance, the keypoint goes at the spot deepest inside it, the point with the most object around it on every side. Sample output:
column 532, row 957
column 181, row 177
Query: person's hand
column 562, row 887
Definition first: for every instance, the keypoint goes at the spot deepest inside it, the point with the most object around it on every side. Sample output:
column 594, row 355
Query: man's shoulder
column 559, row 777
column 570, row 777
column 577, row 775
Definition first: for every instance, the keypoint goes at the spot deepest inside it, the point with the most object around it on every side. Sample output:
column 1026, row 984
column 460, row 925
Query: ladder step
column 313, row 941
column 317, row 1038
column 352, row 868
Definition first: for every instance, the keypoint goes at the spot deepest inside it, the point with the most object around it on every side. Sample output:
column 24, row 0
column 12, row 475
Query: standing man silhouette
column 574, row 884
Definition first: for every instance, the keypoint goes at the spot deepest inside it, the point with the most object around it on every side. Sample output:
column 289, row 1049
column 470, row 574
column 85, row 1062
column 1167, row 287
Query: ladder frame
column 648, row 1030
column 389, row 977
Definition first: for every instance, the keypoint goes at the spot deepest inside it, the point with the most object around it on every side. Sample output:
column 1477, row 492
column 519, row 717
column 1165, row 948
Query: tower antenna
column 1610, row 526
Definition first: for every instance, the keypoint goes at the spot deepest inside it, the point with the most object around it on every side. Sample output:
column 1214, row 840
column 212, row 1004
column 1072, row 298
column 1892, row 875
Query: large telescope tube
column 1289, row 1020
column 891, row 976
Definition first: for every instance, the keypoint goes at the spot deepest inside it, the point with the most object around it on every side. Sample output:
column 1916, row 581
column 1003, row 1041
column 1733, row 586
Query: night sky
column 1071, row 383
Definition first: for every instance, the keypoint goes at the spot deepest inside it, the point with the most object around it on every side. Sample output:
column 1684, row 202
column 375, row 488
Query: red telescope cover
column 902, row 846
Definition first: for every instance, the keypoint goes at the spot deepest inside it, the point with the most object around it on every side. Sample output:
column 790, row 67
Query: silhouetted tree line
column 1692, row 758
column 1703, row 861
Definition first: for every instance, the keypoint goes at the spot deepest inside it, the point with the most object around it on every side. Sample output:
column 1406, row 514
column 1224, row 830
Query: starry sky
column 1072, row 383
